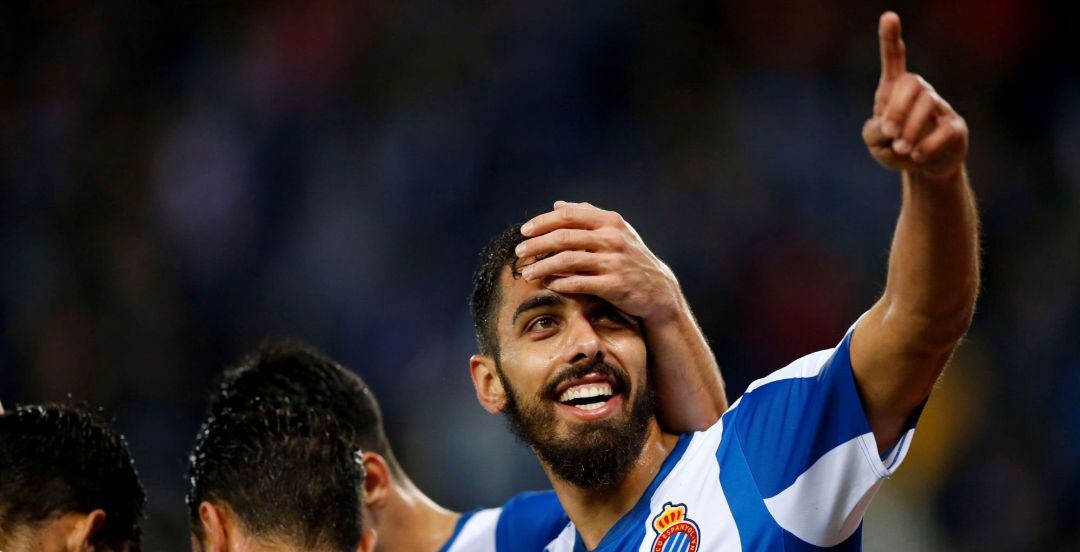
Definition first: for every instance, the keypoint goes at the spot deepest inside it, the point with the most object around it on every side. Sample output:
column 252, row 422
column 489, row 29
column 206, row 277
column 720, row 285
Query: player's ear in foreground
column 86, row 527
column 70, row 532
column 367, row 541
column 218, row 523
column 489, row 388
column 377, row 481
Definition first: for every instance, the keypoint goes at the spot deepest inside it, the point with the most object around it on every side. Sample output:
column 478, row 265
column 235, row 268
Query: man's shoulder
column 529, row 520
column 474, row 531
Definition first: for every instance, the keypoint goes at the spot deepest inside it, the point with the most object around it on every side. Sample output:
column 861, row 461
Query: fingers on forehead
column 561, row 238
column 569, row 217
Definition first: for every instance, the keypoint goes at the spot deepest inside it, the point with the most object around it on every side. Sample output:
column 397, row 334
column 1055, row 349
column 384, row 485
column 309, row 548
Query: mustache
column 583, row 369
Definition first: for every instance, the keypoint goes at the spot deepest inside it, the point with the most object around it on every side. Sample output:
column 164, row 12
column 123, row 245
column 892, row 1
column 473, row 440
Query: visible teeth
column 586, row 391
column 589, row 406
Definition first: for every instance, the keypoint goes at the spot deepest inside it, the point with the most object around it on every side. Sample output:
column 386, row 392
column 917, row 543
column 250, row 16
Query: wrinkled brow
column 536, row 302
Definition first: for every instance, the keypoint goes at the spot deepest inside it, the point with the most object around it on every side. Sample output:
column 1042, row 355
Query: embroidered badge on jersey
column 675, row 532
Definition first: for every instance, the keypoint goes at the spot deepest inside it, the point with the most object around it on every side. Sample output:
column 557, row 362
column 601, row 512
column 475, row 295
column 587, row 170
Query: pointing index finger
column 893, row 57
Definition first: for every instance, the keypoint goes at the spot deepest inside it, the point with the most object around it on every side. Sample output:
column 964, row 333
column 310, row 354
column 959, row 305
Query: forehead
column 512, row 291
column 515, row 291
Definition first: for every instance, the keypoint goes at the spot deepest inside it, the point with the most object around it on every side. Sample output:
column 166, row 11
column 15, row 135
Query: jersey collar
column 632, row 520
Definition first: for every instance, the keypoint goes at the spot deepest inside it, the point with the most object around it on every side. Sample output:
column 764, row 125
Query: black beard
column 594, row 457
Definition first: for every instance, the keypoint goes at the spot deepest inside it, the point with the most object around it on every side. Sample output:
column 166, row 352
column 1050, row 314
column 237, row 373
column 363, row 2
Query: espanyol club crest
column 674, row 531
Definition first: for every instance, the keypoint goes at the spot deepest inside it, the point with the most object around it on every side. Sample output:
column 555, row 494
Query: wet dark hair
column 289, row 475
column 61, row 459
column 484, row 301
column 289, row 374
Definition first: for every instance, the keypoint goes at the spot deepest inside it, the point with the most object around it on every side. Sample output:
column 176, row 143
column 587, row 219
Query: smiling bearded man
column 795, row 462
column 571, row 371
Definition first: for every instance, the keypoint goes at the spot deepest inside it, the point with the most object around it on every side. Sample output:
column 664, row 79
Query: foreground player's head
column 569, row 371
column 294, row 375
column 271, row 478
column 67, row 483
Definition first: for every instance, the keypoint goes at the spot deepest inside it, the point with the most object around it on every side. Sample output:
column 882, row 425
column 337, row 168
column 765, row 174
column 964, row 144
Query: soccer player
column 271, row 478
column 67, row 483
column 795, row 462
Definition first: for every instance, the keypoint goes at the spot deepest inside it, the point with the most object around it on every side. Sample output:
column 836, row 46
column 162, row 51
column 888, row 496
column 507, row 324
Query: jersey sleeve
column 809, row 447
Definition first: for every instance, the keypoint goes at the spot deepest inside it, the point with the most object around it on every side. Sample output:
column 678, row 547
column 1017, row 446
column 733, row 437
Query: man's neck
column 595, row 511
column 409, row 520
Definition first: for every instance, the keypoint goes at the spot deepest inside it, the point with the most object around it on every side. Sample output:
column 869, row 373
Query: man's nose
column 585, row 345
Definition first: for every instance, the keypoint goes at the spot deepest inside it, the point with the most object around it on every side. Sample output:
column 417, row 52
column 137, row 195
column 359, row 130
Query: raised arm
column 900, row 347
column 591, row 251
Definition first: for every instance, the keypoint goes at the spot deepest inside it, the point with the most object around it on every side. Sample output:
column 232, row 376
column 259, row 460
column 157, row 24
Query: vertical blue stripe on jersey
column 529, row 521
column 785, row 426
column 457, row 530
column 628, row 532
column 757, row 530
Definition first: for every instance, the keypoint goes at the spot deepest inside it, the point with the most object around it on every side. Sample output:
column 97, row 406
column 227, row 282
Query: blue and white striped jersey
column 525, row 522
column 792, row 465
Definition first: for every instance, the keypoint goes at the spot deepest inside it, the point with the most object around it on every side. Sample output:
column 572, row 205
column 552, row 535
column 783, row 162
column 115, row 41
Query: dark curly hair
column 485, row 298
column 291, row 374
column 59, row 459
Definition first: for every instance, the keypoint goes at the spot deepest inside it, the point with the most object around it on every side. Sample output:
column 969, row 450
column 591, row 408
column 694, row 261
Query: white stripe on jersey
column 705, row 489
column 826, row 503
column 806, row 367
column 565, row 540
column 478, row 534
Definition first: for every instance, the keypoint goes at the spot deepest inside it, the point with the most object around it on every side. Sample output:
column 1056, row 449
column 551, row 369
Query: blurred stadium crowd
column 176, row 183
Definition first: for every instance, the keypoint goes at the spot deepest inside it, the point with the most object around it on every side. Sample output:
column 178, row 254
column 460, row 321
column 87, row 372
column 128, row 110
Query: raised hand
column 588, row 250
column 913, row 128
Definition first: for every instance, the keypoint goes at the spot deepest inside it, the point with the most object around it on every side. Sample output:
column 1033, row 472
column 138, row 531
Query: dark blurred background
column 178, row 182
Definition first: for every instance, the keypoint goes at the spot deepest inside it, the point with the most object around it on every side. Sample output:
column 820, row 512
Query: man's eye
column 541, row 323
column 609, row 315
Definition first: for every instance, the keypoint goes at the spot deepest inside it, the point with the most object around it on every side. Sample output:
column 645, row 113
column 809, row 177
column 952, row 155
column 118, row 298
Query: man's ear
column 81, row 538
column 489, row 388
column 367, row 541
column 214, row 522
column 377, row 483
